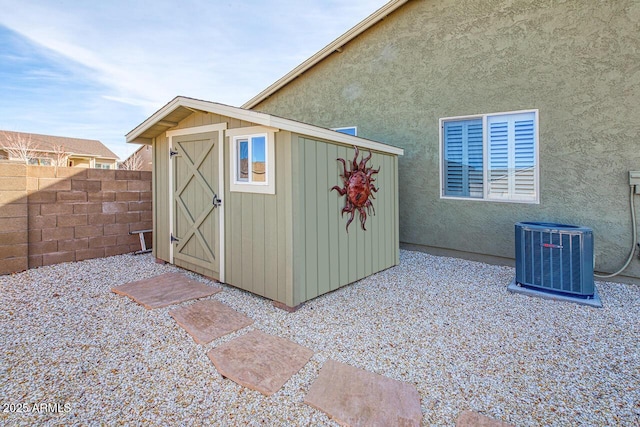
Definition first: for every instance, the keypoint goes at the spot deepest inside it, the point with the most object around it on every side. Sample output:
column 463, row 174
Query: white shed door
column 196, row 206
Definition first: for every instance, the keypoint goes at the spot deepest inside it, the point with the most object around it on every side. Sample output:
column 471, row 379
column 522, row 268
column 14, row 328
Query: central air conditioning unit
column 556, row 261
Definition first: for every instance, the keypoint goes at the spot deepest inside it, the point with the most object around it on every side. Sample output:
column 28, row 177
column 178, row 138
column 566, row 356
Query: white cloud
column 144, row 53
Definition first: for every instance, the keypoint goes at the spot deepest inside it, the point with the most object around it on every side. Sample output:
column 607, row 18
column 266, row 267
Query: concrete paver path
column 356, row 397
column 209, row 319
column 164, row 290
column 260, row 361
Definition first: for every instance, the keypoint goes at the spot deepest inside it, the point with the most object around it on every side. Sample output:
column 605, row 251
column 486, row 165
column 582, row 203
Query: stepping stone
column 474, row 419
column 164, row 290
column 260, row 361
column 209, row 319
column 355, row 397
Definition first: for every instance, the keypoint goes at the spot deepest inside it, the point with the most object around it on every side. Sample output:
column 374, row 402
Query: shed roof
column 48, row 143
column 181, row 107
column 334, row 46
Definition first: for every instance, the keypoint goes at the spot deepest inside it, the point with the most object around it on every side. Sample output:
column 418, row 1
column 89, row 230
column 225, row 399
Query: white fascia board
column 335, row 136
column 354, row 32
column 153, row 119
column 293, row 126
column 206, row 106
column 260, row 119
column 141, row 141
column 227, row 110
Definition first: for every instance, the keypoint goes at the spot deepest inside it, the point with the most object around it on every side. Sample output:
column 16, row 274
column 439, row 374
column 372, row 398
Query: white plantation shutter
column 474, row 158
column 511, row 163
column 463, row 174
column 453, row 156
column 525, row 158
column 498, row 167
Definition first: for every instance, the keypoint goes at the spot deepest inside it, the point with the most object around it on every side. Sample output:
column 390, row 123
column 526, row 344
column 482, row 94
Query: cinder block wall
column 14, row 234
column 50, row 215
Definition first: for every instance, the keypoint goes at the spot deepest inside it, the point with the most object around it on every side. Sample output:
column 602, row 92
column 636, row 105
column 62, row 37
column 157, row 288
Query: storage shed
column 245, row 198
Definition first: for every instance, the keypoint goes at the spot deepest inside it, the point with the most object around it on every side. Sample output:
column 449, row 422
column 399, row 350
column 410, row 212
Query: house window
column 103, row 166
column 40, row 161
column 252, row 160
column 351, row 130
column 490, row 157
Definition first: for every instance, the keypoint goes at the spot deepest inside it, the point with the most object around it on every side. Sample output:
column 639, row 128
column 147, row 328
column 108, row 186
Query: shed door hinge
column 172, row 153
column 174, row 239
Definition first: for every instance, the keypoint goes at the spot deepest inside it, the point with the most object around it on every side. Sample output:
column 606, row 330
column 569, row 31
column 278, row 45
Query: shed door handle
column 216, row 201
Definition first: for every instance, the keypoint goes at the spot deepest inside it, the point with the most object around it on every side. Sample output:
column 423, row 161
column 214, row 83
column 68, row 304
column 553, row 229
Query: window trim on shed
column 491, row 153
column 250, row 186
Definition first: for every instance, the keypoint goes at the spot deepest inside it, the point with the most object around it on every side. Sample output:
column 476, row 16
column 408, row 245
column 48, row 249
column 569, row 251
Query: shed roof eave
column 332, row 47
column 142, row 141
column 135, row 136
column 332, row 135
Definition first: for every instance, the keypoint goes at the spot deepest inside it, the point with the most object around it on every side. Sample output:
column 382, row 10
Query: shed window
column 243, row 160
column 490, row 157
column 252, row 161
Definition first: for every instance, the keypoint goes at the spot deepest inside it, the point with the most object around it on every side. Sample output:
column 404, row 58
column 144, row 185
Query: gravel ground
column 446, row 325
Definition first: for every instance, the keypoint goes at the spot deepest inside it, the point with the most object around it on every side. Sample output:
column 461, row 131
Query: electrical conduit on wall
column 634, row 238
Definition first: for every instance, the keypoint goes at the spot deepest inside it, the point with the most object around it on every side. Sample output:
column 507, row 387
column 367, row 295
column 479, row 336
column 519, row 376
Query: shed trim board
column 220, row 128
column 148, row 129
column 269, row 132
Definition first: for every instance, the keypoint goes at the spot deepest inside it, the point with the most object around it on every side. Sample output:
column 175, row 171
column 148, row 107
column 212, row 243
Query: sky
column 97, row 69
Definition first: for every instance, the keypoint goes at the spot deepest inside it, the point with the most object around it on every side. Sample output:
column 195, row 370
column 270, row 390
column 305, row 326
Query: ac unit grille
column 555, row 257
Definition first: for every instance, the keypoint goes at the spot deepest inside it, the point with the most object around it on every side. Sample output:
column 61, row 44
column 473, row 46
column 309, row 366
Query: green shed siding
column 160, row 186
column 326, row 257
column 196, row 167
column 257, row 232
column 291, row 246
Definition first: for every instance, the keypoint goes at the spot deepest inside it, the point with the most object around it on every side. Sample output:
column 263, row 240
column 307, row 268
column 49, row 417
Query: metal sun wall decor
column 358, row 188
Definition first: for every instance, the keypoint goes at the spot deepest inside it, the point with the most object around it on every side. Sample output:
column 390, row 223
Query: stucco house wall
column 578, row 63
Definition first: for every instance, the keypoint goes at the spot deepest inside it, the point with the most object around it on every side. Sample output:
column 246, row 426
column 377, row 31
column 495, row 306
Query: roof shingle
column 76, row 146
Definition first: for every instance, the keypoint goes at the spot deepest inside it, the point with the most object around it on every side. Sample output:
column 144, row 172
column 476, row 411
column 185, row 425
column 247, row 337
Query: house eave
column 332, row 47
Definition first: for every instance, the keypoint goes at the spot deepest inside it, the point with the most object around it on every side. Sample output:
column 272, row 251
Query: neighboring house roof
column 73, row 146
column 144, row 156
column 334, row 46
column 181, row 107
